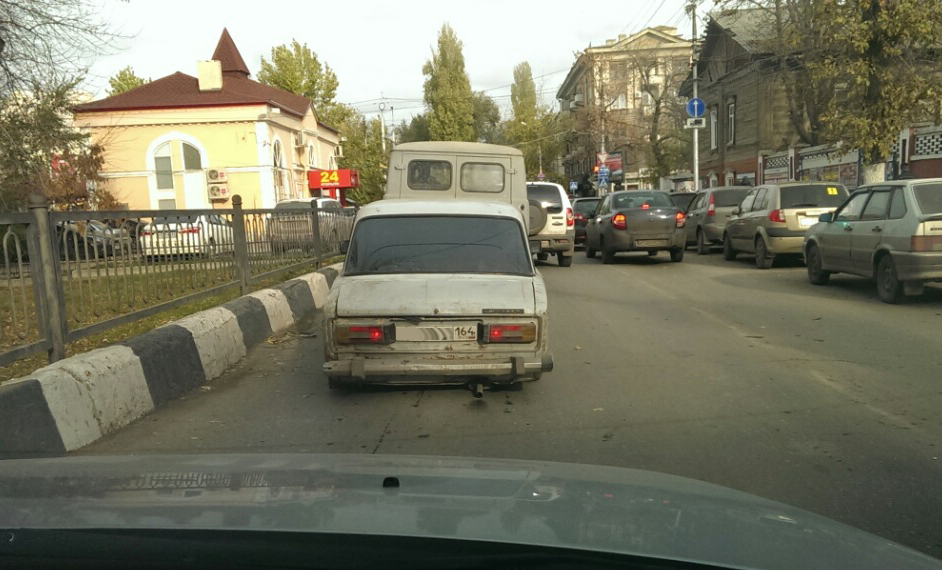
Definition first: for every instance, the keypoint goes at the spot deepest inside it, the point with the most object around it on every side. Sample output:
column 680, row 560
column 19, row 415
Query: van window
column 429, row 175
column 482, row 177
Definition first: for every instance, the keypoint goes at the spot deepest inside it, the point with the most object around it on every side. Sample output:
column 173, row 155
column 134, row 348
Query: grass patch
column 123, row 332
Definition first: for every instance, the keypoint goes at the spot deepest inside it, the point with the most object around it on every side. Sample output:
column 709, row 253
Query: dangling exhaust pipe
column 477, row 389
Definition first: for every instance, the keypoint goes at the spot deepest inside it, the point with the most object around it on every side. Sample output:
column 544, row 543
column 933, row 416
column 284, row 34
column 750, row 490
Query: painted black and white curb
column 75, row 401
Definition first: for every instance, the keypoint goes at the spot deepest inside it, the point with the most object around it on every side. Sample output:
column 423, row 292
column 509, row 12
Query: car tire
column 589, row 250
column 703, row 248
column 564, row 260
column 816, row 273
column 542, row 256
column 889, row 287
column 729, row 254
column 608, row 254
column 763, row 258
column 677, row 255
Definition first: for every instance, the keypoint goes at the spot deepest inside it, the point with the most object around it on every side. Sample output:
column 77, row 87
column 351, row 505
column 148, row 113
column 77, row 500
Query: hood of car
column 600, row 509
column 433, row 295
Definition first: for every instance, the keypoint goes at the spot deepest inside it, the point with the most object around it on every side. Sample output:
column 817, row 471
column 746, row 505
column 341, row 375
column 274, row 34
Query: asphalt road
column 820, row 397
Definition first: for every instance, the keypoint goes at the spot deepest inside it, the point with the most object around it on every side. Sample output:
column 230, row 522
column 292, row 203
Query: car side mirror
column 344, row 246
column 534, row 247
column 826, row 218
column 737, row 211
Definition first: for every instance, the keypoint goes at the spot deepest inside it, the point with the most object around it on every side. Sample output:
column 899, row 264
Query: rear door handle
column 848, row 228
column 877, row 229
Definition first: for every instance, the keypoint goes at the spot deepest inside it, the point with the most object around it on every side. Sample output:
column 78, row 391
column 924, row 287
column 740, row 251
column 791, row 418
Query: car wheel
column 889, row 286
column 608, row 254
column 703, row 248
column 763, row 259
column 589, row 250
column 677, row 255
column 816, row 273
column 542, row 256
column 564, row 260
column 729, row 254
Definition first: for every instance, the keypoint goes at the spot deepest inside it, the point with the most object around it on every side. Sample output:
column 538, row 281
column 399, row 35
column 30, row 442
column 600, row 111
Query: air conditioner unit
column 216, row 175
column 218, row 192
column 300, row 140
column 338, row 152
column 577, row 100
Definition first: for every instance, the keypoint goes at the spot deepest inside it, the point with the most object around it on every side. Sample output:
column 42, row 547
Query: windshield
column 585, row 207
column 727, row 198
column 630, row 200
column 812, row 196
column 929, row 197
column 437, row 244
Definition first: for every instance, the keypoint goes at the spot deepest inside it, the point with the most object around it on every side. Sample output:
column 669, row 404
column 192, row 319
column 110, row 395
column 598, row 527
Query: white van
column 458, row 170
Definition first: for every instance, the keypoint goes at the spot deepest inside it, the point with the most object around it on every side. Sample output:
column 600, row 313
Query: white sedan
column 440, row 292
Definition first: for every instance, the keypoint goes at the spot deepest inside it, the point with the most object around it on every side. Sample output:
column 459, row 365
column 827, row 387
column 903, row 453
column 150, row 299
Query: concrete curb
column 73, row 402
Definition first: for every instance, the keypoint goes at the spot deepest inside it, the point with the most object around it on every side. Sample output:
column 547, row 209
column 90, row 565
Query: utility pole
column 692, row 8
column 382, row 125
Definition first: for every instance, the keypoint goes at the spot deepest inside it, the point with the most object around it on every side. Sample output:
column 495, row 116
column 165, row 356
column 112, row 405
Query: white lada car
column 437, row 292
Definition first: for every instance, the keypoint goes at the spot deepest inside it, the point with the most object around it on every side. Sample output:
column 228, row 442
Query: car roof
column 398, row 207
column 718, row 188
column 306, row 200
column 574, row 200
column 457, row 147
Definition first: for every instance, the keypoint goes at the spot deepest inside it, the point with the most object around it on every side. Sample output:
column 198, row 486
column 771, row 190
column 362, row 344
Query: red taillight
column 777, row 216
column 646, row 206
column 189, row 231
column 681, row 219
column 712, row 210
column 927, row 243
column 522, row 333
column 619, row 222
column 364, row 334
column 569, row 219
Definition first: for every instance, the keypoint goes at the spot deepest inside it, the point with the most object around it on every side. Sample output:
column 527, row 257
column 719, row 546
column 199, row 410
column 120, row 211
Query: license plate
column 807, row 222
column 650, row 242
column 460, row 332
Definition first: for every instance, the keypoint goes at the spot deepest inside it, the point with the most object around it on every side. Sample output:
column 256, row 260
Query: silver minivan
column 707, row 215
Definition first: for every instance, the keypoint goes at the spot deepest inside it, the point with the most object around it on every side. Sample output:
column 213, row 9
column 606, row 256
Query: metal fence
column 67, row 275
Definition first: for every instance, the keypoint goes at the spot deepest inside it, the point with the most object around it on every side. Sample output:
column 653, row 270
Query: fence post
column 240, row 247
column 316, row 225
column 53, row 317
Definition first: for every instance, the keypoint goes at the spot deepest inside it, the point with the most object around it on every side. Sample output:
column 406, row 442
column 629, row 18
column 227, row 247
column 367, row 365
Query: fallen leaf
column 578, row 347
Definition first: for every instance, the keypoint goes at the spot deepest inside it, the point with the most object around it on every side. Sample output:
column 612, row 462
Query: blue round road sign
column 696, row 107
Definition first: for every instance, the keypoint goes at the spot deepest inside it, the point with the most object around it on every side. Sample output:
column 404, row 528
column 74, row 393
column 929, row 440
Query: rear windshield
column 639, row 199
column 548, row 195
column 929, row 197
column 429, row 175
column 438, row 244
column 585, row 206
column 726, row 198
column 682, row 199
column 813, row 196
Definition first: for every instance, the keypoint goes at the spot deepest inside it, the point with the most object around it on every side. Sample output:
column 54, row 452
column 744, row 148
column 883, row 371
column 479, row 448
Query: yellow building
column 165, row 141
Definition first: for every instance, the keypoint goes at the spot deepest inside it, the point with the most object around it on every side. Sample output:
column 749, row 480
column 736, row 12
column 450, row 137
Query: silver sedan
column 636, row 220
column 890, row 232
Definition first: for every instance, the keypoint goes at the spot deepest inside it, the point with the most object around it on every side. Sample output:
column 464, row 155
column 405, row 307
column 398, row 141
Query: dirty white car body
column 425, row 299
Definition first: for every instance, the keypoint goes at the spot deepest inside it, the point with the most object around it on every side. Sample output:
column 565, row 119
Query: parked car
column 187, row 235
column 552, row 222
column 708, row 212
column 437, row 292
column 636, row 220
column 293, row 229
column 682, row 199
column 773, row 218
column 890, row 232
column 582, row 210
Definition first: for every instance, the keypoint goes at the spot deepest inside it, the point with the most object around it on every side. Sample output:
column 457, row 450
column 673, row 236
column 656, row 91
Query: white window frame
column 713, row 134
column 731, row 122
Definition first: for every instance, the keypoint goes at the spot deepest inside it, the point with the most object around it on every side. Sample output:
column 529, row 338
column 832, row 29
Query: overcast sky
column 377, row 49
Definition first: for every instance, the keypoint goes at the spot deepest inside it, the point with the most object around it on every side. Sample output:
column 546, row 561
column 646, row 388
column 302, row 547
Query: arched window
column 163, row 167
column 191, row 158
column 311, row 157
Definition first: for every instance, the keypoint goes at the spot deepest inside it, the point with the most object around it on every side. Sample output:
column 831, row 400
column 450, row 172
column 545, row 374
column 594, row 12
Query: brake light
column 189, row 231
column 619, row 222
column 712, row 210
column 927, row 243
column 521, row 333
column 777, row 216
column 364, row 334
column 569, row 219
column 681, row 219
column 646, row 206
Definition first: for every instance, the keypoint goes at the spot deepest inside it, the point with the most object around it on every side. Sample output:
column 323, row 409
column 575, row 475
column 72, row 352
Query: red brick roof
column 180, row 90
